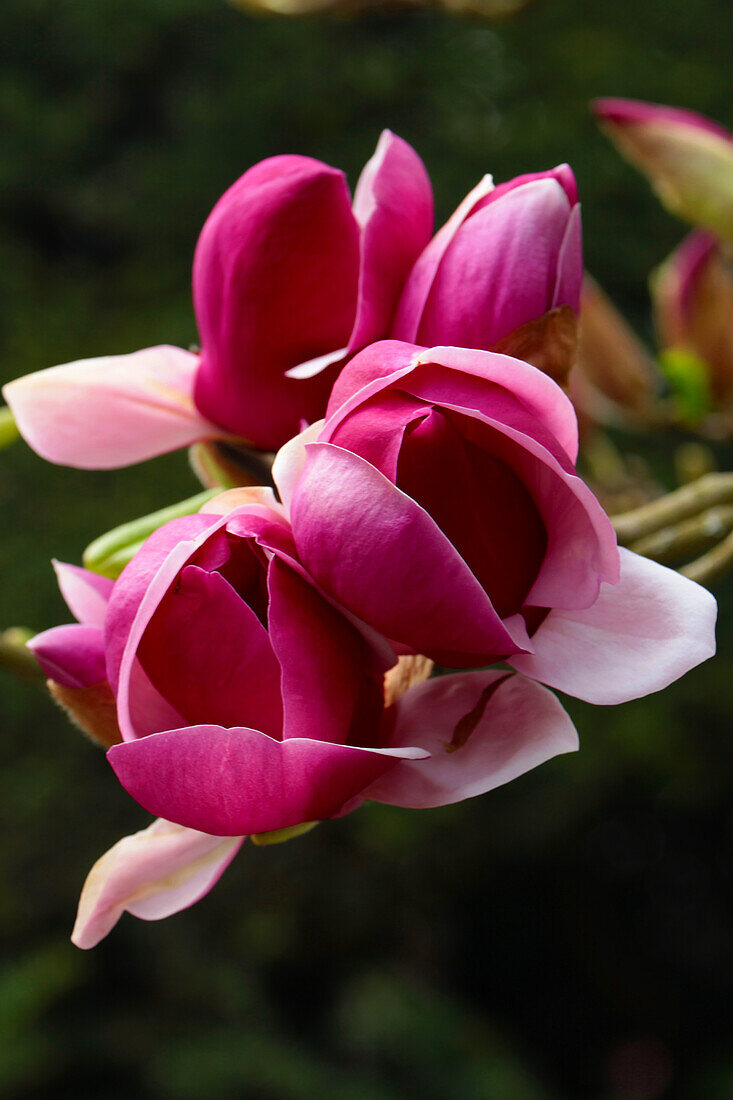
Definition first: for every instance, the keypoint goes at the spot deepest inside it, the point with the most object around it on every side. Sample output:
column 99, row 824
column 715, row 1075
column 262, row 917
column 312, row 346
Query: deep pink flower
column 440, row 504
column 289, row 278
column 507, row 256
column 248, row 703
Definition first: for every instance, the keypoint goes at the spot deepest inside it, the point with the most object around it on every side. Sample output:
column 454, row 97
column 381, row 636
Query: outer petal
column 500, row 270
column 393, row 204
column 420, row 281
column 471, row 376
column 235, row 781
column 382, row 556
column 86, row 594
column 136, row 578
column 151, row 874
column 481, row 729
column 99, row 414
column 71, row 655
column 639, row 636
column 275, row 284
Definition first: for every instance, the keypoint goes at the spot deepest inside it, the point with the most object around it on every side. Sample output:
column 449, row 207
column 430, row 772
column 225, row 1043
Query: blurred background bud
column 692, row 294
column 614, row 380
column 687, row 158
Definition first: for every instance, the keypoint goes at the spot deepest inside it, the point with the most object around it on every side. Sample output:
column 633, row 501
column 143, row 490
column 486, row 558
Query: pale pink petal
column 481, row 729
column 86, row 594
column 639, row 636
column 290, row 461
column 103, row 413
column 151, row 874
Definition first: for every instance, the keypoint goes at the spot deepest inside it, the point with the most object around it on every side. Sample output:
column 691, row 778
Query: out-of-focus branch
column 694, row 520
column 707, row 492
column 716, row 563
column 15, row 655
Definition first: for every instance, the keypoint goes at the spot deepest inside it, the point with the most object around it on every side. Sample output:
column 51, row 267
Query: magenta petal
column 480, row 380
column 383, row 557
column 393, row 204
column 639, row 636
column 633, row 112
column 229, row 782
column 86, row 594
column 275, row 285
column 210, row 657
column 136, row 578
column 419, row 284
column 71, row 655
column 151, row 874
column 513, row 726
column 500, row 270
column 327, row 689
column 570, row 265
column 103, row 413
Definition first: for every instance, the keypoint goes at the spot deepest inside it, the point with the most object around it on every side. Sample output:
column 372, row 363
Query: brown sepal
column 550, row 343
column 91, row 709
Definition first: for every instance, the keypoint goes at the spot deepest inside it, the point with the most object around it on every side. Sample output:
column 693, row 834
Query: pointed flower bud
column 687, row 158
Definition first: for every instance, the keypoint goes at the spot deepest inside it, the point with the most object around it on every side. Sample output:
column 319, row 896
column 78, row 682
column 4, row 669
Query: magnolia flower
column 289, row 278
column 688, row 158
column 440, row 504
column 249, row 703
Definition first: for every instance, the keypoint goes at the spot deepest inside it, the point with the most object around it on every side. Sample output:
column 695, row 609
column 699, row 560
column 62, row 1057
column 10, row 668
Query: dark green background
column 568, row 936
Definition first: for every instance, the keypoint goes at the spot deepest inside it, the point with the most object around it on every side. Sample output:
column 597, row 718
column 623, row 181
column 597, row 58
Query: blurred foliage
column 569, row 936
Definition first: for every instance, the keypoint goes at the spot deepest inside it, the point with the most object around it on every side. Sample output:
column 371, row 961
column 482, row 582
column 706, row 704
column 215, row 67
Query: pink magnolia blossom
column 247, row 702
column 507, row 256
column 687, row 158
column 289, row 278
column 440, row 504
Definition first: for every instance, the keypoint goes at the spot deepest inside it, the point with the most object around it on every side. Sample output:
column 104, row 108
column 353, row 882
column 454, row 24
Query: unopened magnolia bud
column 692, row 293
column 614, row 375
column 109, row 554
column 687, row 158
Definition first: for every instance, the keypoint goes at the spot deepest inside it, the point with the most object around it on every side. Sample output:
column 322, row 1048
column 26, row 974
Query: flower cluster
column 265, row 663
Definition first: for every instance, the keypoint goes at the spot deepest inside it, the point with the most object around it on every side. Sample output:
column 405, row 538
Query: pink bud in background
column 290, row 277
column 693, row 307
column 687, row 158
column 507, row 257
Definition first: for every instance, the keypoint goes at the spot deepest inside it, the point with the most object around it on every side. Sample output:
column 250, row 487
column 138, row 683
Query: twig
column 689, row 537
column 15, row 655
column 708, row 491
column 712, row 565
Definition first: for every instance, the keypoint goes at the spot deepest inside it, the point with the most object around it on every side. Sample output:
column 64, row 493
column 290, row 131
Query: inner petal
column 208, row 654
column 480, row 505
